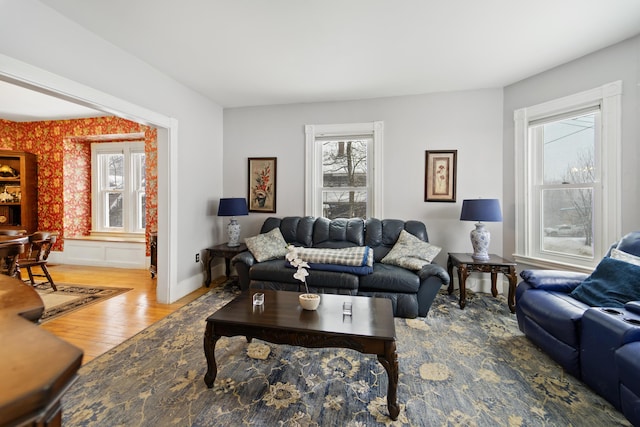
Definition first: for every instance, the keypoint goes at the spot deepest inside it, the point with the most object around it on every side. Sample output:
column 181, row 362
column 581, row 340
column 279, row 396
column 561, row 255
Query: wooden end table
column 281, row 320
column 224, row 251
column 466, row 264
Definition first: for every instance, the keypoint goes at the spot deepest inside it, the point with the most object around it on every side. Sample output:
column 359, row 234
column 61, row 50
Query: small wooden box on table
column 494, row 265
column 224, row 251
column 281, row 320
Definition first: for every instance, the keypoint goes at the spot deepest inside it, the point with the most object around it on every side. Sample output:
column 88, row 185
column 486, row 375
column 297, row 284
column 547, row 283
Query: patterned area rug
column 467, row 367
column 70, row 298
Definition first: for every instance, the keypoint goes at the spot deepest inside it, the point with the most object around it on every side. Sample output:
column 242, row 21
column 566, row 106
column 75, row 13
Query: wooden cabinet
column 153, row 244
column 18, row 191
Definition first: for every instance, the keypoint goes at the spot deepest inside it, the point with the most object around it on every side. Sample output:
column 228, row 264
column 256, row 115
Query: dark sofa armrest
column 434, row 270
column 553, row 280
column 242, row 263
column 633, row 306
column 432, row 278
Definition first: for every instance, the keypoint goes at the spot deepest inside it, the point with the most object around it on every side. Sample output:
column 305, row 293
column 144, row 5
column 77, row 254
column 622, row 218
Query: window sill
column 551, row 265
column 111, row 237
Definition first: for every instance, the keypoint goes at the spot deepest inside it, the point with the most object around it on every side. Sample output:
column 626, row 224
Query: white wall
column 618, row 62
column 37, row 35
column 469, row 122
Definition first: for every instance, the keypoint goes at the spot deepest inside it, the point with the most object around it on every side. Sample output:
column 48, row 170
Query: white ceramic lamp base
column 480, row 238
column 234, row 233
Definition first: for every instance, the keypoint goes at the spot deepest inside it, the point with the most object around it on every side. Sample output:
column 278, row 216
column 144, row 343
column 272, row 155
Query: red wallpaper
column 64, row 168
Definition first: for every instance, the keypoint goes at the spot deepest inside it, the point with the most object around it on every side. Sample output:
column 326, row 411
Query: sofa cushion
column 612, row 284
column 338, row 233
column 623, row 256
column 277, row 271
column 630, row 243
column 390, row 278
column 410, row 252
column 267, row 246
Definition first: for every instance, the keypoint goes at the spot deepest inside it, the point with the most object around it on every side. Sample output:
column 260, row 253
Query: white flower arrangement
column 302, row 273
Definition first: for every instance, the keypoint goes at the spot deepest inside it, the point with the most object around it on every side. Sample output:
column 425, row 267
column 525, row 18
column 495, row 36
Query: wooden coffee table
column 281, row 320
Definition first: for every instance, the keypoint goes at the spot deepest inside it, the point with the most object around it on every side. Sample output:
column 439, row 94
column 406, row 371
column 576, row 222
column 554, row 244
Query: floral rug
column 468, row 367
column 71, row 297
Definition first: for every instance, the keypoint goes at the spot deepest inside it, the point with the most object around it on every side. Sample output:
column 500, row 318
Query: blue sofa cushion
column 612, row 284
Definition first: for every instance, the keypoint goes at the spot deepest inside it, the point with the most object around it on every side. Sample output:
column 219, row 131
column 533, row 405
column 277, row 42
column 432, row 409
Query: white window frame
column 607, row 222
column 131, row 195
column 314, row 134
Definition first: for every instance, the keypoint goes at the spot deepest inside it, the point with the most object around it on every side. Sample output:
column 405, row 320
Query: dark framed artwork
column 440, row 176
column 262, row 184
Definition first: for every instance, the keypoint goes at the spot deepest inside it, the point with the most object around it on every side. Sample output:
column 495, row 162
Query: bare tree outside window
column 568, row 185
column 344, row 178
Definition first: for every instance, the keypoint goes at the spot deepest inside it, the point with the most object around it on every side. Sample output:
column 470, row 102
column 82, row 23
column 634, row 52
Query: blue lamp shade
column 481, row 210
column 233, row 206
column 487, row 210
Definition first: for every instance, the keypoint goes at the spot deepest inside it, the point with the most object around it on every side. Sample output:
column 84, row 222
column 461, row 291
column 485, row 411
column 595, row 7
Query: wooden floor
column 101, row 326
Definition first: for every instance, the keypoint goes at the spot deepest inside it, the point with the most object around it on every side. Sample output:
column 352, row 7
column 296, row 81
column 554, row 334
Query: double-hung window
column 567, row 179
column 118, row 187
column 343, row 170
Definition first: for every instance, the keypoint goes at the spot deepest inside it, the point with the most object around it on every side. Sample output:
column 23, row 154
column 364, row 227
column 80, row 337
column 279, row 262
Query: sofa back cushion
column 338, row 233
column 630, row 243
column 312, row 232
column 381, row 235
column 318, row 232
column 296, row 230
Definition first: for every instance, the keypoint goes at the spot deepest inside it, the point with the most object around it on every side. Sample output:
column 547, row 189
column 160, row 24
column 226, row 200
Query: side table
column 466, row 264
column 224, row 251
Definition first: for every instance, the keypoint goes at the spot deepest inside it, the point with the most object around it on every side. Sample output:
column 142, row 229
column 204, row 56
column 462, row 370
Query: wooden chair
column 9, row 253
column 40, row 244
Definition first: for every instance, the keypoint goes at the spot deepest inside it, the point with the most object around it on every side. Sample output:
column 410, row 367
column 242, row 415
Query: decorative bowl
column 309, row 301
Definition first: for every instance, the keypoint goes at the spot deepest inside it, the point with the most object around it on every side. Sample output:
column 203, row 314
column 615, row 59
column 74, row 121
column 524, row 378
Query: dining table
column 36, row 367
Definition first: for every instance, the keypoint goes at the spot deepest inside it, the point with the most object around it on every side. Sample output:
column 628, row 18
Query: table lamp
column 233, row 206
column 481, row 210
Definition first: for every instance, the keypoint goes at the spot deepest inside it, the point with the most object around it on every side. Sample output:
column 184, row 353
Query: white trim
column 313, row 151
column 609, row 98
column 39, row 80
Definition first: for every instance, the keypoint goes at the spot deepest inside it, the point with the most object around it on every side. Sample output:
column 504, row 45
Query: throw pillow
column 267, row 246
column 612, row 284
column 410, row 252
column 624, row 256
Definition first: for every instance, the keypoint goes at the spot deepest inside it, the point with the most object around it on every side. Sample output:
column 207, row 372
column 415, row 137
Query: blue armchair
column 590, row 324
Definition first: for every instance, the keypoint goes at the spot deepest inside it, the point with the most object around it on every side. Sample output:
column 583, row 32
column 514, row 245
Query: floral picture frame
column 262, row 184
column 440, row 175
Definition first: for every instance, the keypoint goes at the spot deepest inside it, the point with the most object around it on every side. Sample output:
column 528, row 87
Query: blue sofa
column 411, row 292
column 599, row 344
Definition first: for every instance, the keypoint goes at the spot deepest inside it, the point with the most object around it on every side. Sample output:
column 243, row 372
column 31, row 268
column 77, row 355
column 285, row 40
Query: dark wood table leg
column 513, row 279
column 494, row 282
column 463, row 273
column 210, row 340
column 390, row 362
column 450, row 271
column 207, row 268
column 227, row 267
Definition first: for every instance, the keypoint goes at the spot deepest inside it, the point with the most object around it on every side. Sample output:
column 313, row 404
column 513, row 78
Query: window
column 118, row 187
column 567, row 179
column 343, row 170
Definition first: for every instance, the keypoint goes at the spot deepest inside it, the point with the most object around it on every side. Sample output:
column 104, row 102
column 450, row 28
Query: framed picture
column 262, row 184
column 440, row 176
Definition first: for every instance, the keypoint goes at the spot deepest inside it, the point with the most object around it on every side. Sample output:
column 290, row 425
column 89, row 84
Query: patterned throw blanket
column 355, row 257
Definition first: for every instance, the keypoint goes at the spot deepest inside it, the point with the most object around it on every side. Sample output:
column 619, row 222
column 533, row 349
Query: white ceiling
column 23, row 105
column 258, row 52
